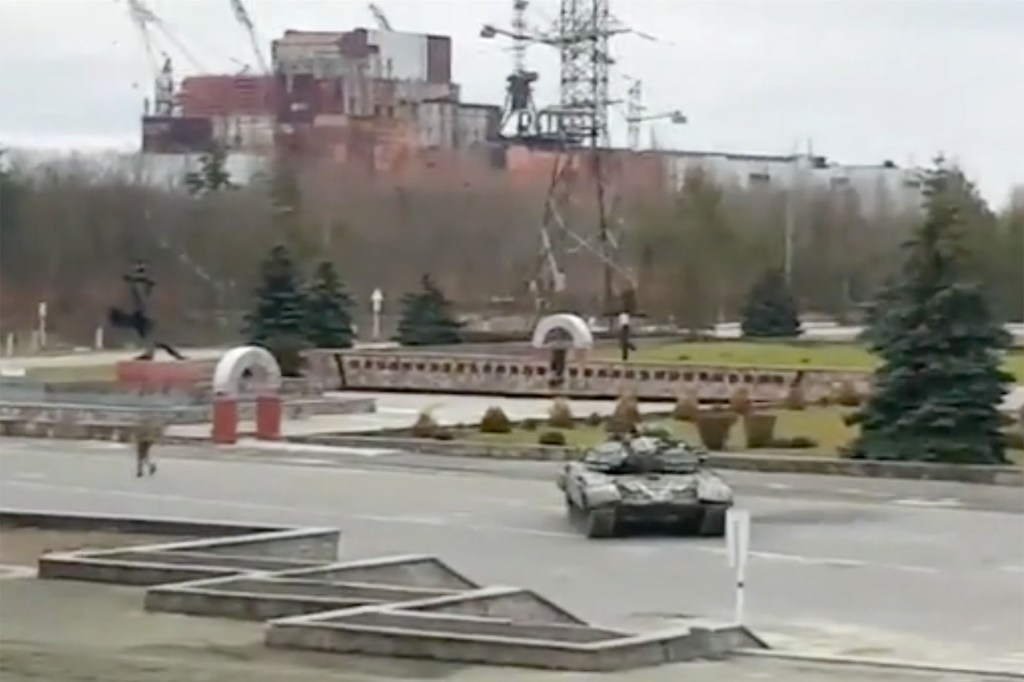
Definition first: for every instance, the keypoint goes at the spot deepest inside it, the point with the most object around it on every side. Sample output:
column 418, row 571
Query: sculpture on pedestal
column 140, row 287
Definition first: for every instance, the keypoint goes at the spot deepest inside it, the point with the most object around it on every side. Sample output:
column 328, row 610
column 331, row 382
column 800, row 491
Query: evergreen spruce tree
column 328, row 310
column 427, row 318
column 770, row 310
column 277, row 322
column 213, row 175
column 937, row 392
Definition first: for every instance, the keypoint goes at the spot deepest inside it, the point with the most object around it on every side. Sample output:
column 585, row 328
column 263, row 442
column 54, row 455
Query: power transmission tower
column 577, row 128
column 585, row 28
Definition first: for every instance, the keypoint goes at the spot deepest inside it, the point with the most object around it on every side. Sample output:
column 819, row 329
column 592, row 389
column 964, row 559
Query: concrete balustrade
column 583, row 378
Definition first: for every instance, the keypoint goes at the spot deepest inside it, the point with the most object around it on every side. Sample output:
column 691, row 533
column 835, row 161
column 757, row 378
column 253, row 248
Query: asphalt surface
column 46, row 638
column 931, row 572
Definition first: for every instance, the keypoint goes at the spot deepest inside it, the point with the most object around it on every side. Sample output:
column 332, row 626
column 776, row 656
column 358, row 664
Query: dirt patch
column 22, row 546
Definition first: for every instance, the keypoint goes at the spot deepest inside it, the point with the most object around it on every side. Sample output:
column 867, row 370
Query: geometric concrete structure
column 406, row 606
column 237, row 362
column 253, row 365
column 565, row 325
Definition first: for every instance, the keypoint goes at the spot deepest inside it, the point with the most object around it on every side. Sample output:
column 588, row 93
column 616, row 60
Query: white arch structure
column 573, row 325
column 227, row 377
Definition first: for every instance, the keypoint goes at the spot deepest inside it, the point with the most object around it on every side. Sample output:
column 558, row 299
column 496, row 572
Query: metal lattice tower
column 519, row 28
column 519, row 108
column 577, row 127
column 584, row 29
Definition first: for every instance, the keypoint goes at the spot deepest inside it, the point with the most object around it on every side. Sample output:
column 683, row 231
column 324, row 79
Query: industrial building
column 364, row 97
column 384, row 102
column 885, row 184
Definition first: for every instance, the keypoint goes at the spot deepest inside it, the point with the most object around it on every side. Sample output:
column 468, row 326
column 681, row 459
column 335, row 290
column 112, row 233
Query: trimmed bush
column 795, row 399
column 625, row 416
column 551, row 438
column 739, row 400
column 594, row 419
column 495, row 421
column 425, row 426
column 530, row 424
column 714, row 428
column 443, row 434
column 687, row 408
column 760, row 429
column 560, row 415
column 847, row 395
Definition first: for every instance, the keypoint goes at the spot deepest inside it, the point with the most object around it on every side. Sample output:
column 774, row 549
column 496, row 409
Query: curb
column 126, row 523
column 890, row 663
column 765, row 463
column 1007, row 476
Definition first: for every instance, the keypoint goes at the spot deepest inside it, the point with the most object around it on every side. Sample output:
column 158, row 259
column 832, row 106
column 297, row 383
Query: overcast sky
column 862, row 80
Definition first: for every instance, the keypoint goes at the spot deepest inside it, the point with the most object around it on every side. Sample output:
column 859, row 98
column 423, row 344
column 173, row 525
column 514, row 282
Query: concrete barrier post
column 225, row 420
column 268, row 417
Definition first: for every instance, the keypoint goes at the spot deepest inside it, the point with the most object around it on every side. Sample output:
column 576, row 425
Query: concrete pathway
column 400, row 411
column 914, row 572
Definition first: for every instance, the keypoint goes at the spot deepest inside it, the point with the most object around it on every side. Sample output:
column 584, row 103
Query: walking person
column 145, row 437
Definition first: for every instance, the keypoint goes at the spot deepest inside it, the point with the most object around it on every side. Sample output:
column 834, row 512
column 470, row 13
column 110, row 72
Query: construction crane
column 163, row 70
column 246, row 21
column 143, row 17
column 635, row 114
column 378, row 14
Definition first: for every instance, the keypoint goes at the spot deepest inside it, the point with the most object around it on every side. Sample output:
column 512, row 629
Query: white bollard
column 98, row 339
column 737, row 540
column 42, row 324
column 9, row 345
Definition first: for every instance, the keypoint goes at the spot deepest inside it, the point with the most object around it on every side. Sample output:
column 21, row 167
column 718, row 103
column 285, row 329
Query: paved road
column 842, row 566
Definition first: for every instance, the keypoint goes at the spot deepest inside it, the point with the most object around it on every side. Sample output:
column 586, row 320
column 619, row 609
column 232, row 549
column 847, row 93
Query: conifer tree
column 328, row 310
column 213, row 175
column 770, row 310
column 936, row 395
column 277, row 320
column 427, row 318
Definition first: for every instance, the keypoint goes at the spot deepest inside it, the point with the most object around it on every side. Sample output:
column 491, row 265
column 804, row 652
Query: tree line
column 69, row 228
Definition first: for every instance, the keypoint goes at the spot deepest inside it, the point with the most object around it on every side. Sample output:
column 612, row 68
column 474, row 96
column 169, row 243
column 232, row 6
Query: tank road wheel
column 712, row 523
column 600, row 523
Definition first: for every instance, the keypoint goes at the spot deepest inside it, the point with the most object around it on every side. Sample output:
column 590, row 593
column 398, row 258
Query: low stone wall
column 403, row 370
column 408, row 606
column 106, row 422
column 68, row 521
column 767, row 462
column 21, row 428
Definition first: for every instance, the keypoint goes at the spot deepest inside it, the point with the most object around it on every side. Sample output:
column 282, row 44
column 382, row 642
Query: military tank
column 644, row 481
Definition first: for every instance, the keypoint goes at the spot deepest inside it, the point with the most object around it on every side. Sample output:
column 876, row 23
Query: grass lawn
column 778, row 354
column 822, row 424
